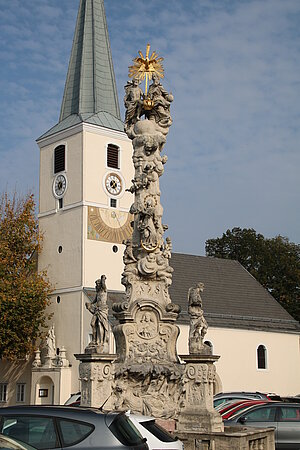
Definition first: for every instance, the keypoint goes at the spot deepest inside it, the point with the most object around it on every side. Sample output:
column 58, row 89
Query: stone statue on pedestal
column 198, row 324
column 146, row 374
column 99, row 323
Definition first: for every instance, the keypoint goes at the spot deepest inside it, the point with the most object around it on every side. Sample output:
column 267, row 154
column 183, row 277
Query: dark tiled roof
column 232, row 298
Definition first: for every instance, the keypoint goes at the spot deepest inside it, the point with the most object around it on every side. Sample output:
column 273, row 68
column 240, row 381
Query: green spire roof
column 90, row 93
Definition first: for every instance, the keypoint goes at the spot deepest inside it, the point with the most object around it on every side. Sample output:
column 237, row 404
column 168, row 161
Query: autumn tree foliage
column 23, row 291
column 274, row 262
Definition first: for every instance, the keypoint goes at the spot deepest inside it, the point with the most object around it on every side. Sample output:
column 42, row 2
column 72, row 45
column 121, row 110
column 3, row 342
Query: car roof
column 55, row 410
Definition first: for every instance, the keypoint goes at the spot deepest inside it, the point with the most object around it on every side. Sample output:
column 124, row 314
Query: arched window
column 113, row 156
column 261, row 357
column 59, row 159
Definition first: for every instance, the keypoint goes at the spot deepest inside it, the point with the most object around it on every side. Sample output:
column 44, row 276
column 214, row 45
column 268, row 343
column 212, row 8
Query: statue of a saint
column 198, row 324
column 99, row 323
column 162, row 101
column 133, row 102
column 50, row 343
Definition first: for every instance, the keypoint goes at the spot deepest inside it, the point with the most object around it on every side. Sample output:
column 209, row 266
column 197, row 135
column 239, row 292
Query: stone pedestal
column 197, row 413
column 96, row 373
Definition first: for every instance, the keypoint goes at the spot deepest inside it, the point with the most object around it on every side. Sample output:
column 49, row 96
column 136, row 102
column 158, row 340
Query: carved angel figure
column 99, row 310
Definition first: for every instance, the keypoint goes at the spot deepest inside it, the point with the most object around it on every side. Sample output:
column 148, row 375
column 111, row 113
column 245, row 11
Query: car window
column 36, row 431
column 219, row 401
column 124, row 430
column 266, row 414
column 73, row 432
column 158, row 431
column 289, row 413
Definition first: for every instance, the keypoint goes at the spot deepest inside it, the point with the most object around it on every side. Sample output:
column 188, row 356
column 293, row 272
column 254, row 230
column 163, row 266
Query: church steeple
column 90, row 85
column 90, row 93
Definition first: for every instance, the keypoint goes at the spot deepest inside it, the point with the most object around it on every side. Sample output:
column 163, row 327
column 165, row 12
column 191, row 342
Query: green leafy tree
column 24, row 292
column 274, row 262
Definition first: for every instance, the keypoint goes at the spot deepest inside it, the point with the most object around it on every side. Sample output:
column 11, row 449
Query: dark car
column 59, row 427
column 284, row 417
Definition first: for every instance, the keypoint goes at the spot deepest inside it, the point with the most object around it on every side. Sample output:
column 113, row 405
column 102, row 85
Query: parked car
column 8, row 443
column 222, row 397
column 157, row 437
column 228, row 411
column 59, row 427
column 284, row 417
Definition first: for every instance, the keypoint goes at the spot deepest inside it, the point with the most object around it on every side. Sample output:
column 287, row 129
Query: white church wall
column 62, row 248
column 237, row 366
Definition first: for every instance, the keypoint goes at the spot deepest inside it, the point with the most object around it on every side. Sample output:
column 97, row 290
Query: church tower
column 85, row 169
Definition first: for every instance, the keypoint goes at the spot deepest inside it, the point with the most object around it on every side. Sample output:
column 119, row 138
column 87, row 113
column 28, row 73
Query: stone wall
column 233, row 438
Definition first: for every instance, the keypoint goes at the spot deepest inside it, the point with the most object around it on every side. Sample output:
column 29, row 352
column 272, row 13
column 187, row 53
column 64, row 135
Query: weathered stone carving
column 156, row 394
column 196, row 402
column 96, row 373
column 99, row 323
column 198, row 324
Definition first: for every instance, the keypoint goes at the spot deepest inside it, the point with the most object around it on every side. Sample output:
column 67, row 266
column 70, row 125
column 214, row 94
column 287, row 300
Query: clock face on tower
column 109, row 225
column 113, row 184
column 59, row 185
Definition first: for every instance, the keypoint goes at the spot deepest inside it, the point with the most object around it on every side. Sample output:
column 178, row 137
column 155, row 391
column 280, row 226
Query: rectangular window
column 60, row 203
column 43, row 393
column 113, row 203
column 3, row 392
column 59, row 159
column 113, row 156
column 20, row 392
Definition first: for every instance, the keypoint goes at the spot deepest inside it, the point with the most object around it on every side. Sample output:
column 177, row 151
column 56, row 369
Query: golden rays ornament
column 145, row 67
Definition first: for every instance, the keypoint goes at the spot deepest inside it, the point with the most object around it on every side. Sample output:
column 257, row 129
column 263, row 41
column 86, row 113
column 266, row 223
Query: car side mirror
column 243, row 420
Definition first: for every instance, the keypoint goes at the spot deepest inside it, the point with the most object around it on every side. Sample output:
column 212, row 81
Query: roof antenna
column 103, row 404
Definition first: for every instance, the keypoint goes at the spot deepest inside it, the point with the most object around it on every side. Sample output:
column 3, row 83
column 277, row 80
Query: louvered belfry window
column 113, row 156
column 59, row 159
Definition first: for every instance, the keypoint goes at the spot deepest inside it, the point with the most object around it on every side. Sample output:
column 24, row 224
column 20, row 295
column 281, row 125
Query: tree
column 24, row 292
column 274, row 262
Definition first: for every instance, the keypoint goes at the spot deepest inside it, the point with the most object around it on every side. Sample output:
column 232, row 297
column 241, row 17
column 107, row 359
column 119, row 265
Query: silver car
column 284, row 417
column 59, row 427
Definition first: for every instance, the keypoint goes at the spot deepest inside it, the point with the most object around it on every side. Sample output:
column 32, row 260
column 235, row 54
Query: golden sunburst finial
column 145, row 67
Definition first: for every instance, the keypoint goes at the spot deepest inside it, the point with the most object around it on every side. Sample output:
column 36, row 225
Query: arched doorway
column 44, row 391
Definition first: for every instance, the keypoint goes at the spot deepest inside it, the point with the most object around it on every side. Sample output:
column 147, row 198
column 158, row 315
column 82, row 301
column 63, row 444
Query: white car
column 157, row 437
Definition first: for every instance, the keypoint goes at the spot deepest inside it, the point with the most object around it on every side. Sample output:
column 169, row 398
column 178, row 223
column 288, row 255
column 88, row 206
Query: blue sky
column 234, row 69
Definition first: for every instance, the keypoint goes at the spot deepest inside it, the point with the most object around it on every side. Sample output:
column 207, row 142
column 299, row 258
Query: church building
column 85, row 172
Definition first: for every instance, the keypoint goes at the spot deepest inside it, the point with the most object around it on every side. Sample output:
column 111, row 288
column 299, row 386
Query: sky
column 233, row 67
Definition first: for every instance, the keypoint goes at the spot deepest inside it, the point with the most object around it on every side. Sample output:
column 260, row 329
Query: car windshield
column 158, row 431
column 124, row 430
